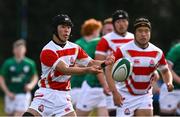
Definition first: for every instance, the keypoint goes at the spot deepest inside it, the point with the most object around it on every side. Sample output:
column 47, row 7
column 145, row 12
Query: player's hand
column 118, row 99
column 170, row 87
column 109, row 60
column 11, row 95
column 94, row 69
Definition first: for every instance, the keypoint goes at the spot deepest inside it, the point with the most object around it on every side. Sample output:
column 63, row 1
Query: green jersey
column 91, row 79
column 89, row 47
column 17, row 74
column 76, row 80
column 174, row 56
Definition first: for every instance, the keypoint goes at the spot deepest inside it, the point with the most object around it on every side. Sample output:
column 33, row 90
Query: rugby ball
column 121, row 70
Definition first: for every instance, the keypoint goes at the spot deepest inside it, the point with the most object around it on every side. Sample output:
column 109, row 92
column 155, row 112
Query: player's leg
column 75, row 94
column 145, row 106
column 110, row 106
column 167, row 112
column 9, row 106
column 82, row 112
column 143, row 112
column 135, row 106
column 102, row 111
column 18, row 113
column 42, row 103
column 101, row 103
column 86, row 102
column 71, row 114
column 31, row 112
column 22, row 103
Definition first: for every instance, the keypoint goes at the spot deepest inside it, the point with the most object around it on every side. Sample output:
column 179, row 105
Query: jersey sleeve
column 172, row 55
column 48, row 57
column 118, row 54
column 102, row 47
column 162, row 64
column 82, row 57
column 4, row 69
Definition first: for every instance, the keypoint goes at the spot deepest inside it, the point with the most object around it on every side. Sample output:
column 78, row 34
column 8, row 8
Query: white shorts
column 110, row 102
column 49, row 102
column 75, row 94
column 91, row 98
column 168, row 100
column 20, row 103
column 132, row 103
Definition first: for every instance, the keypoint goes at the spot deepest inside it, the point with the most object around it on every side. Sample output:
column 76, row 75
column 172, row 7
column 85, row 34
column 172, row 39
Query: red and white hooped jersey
column 110, row 42
column 145, row 62
column 51, row 55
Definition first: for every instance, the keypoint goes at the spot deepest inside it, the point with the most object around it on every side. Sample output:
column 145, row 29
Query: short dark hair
column 107, row 21
column 140, row 22
column 19, row 42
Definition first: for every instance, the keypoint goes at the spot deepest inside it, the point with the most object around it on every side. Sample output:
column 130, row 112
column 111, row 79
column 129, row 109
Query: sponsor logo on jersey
column 12, row 68
column 127, row 111
column 41, row 108
column 136, row 61
column 16, row 79
column 151, row 63
column 26, row 69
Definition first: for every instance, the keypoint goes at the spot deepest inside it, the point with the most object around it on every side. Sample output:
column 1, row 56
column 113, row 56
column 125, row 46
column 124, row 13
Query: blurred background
column 31, row 20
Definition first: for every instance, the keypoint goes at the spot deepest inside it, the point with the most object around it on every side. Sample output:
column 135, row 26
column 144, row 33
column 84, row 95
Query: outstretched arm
column 167, row 78
column 118, row 100
column 64, row 68
column 108, row 61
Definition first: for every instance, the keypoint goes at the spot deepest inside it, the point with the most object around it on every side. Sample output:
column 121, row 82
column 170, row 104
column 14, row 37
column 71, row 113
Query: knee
column 26, row 114
column 171, row 112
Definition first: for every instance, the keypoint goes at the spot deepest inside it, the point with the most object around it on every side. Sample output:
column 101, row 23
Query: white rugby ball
column 121, row 70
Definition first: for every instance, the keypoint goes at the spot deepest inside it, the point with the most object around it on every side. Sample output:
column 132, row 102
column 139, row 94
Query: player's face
column 19, row 51
column 64, row 32
column 96, row 33
column 142, row 36
column 121, row 26
column 107, row 28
